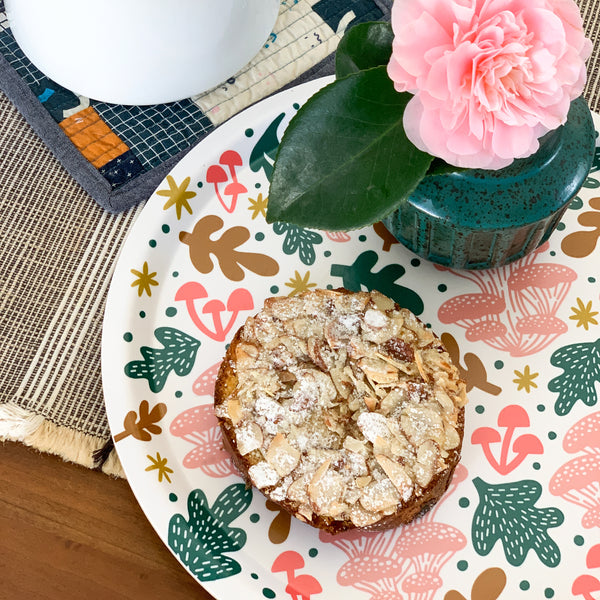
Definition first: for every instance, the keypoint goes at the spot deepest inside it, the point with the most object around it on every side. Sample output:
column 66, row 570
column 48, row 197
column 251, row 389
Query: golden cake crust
column 342, row 408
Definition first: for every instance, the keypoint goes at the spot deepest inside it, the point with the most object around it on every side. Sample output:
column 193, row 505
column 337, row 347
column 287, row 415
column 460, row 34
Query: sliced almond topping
column 373, row 425
column 282, row 456
column 444, row 400
column 248, row 437
column 382, row 302
column 245, row 353
column 378, row 371
column 326, row 487
column 398, row 476
column 370, row 402
column 354, row 445
column 381, row 445
column 379, row 496
column 363, row 518
column 297, row 490
column 452, row 437
column 363, row 481
column 421, row 365
column 263, row 475
column 234, row 410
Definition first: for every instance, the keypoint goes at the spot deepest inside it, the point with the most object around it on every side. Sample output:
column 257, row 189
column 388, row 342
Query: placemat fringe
column 20, row 425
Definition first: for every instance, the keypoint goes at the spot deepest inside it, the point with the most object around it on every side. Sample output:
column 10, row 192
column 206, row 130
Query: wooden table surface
column 68, row 533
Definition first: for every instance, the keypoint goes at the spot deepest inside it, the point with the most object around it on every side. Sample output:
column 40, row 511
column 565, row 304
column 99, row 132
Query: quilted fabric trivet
column 119, row 154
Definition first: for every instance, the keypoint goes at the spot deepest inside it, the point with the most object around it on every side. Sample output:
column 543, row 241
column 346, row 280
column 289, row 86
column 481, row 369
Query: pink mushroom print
column 510, row 419
column 428, row 546
column 587, row 586
column 205, row 383
column 199, row 426
column 406, row 560
column 479, row 314
column 578, row 481
column 515, row 308
column 299, row 587
column 338, row 236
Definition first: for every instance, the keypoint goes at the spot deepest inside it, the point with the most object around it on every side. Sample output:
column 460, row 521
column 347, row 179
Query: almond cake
column 342, row 408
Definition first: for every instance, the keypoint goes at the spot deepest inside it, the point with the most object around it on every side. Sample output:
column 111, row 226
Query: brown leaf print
column 388, row 239
column 202, row 247
column 473, row 372
column 580, row 244
column 279, row 529
column 488, row 586
column 143, row 428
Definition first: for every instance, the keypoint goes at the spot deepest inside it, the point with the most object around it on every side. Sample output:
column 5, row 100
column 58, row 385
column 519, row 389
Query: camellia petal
column 489, row 77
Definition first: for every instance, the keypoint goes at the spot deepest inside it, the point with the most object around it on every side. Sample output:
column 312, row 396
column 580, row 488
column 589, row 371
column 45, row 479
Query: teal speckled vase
column 478, row 219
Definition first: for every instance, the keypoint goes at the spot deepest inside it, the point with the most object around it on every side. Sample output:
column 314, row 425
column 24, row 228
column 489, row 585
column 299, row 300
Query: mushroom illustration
column 240, row 299
column 586, row 586
column 540, row 288
column 478, row 313
column 288, row 562
column 303, row 587
column 429, row 545
column 338, row 236
column 537, row 332
column 300, row 587
column 592, row 560
column 199, row 426
column 578, row 481
column 510, row 418
column 205, row 383
column 369, row 568
column 486, row 331
column 583, row 436
column 419, row 584
column 216, row 175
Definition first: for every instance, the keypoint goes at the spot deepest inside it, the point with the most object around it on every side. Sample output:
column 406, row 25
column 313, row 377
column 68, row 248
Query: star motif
column 144, row 280
column 178, row 195
column 300, row 284
column 160, row 464
column 525, row 379
column 258, row 206
column 583, row 314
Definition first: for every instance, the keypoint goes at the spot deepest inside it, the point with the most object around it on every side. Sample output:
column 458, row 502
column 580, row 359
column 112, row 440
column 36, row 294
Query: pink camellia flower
column 489, row 77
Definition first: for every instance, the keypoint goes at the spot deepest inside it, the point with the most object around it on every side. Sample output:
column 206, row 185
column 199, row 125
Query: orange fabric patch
column 92, row 137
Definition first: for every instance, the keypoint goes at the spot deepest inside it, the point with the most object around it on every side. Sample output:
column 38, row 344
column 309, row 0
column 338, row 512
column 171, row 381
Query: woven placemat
column 58, row 248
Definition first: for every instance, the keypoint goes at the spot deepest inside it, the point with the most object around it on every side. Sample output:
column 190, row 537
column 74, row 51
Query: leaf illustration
column 177, row 354
column 143, row 427
column 202, row 540
column 360, row 273
column 581, row 370
column 488, row 586
column 507, row 512
column 263, row 153
column 299, row 240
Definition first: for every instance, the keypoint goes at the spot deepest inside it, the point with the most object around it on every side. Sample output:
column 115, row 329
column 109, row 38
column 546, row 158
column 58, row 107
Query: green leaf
column 344, row 161
column 441, row 167
column 363, row 47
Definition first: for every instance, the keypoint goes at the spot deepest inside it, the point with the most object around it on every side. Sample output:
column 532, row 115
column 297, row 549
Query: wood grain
column 68, row 533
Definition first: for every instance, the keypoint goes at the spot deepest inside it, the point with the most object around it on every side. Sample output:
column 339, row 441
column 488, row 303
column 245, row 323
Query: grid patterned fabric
column 155, row 133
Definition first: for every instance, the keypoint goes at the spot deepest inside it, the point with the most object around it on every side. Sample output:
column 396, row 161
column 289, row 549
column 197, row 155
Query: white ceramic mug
column 140, row 51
